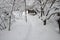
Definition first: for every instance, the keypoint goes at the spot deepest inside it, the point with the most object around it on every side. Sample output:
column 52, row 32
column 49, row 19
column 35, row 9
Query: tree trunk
column 9, row 22
column 42, row 11
column 44, row 22
column 11, row 14
column 59, row 24
column 25, row 11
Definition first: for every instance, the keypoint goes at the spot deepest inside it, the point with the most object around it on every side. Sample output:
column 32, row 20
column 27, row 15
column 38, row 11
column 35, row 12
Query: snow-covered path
column 41, row 32
column 32, row 30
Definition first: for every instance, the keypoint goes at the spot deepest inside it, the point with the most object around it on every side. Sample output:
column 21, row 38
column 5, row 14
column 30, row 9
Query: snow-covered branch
column 50, row 7
column 52, row 15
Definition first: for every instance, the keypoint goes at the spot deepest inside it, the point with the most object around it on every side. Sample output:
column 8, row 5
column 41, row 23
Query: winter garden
column 29, row 19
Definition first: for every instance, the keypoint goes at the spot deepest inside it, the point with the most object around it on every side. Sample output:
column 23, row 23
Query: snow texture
column 32, row 30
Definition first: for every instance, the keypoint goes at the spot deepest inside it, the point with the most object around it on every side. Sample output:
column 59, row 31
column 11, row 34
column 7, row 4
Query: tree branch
column 39, row 1
column 45, row 4
column 50, row 6
column 51, row 15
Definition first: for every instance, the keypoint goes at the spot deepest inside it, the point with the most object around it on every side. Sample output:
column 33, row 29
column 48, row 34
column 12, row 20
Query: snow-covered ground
column 32, row 30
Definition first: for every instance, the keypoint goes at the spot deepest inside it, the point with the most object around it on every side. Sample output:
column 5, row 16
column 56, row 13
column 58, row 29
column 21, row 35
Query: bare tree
column 10, row 17
column 56, row 10
column 25, row 11
column 46, row 12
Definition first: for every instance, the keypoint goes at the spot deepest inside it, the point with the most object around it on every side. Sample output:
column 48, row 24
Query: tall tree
column 10, row 17
column 46, row 10
column 25, row 11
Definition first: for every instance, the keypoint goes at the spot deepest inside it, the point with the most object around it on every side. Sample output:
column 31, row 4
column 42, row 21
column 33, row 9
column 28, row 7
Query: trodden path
column 32, row 30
